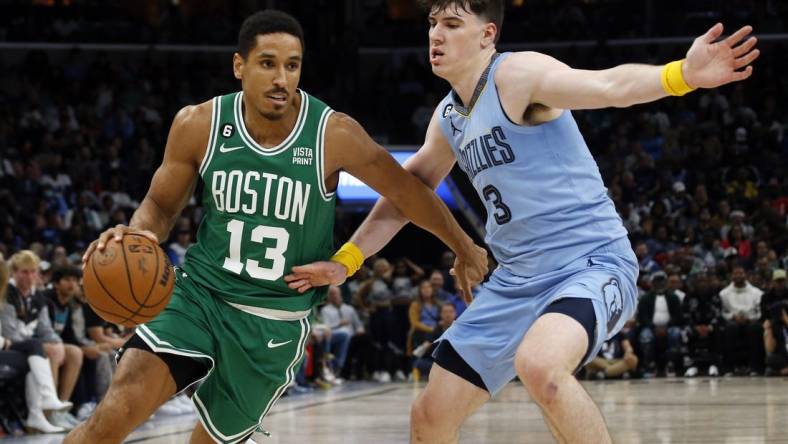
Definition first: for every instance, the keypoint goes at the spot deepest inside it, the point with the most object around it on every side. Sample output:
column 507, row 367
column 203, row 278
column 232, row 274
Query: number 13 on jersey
column 275, row 254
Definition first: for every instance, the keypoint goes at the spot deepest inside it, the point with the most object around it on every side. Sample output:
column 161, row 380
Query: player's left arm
column 350, row 148
column 709, row 64
column 373, row 165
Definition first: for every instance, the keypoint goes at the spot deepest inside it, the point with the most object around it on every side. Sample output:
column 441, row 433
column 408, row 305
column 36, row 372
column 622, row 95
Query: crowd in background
column 396, row 22
column 700, row 183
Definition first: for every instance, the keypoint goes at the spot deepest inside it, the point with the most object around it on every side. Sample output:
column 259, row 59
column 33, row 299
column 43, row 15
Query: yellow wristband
column 673, row 80
column 350, row 256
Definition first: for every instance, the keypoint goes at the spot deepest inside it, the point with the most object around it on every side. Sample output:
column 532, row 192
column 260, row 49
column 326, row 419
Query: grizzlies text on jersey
column 544, row 195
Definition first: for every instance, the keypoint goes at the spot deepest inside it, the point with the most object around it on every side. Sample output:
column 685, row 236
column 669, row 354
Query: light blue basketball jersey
column 545, row 200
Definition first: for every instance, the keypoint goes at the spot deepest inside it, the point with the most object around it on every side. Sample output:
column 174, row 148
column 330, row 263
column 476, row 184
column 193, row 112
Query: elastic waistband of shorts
column 269, row 313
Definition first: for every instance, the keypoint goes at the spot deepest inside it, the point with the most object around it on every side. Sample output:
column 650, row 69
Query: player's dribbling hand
column 115, row 233
column 316, row 274
column 469, row 269
column 710, row 64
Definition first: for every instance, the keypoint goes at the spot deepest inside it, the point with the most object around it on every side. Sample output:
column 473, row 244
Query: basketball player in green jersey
column 269, row 157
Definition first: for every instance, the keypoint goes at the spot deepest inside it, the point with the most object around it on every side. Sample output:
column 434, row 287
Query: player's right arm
column 431, row 164
column 172, row 184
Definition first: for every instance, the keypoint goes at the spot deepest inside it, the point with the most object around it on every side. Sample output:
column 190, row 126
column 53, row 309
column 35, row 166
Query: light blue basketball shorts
column 488, row 333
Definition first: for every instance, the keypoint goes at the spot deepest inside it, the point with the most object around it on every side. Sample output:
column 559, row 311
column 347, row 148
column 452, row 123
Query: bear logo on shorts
column 614, row 302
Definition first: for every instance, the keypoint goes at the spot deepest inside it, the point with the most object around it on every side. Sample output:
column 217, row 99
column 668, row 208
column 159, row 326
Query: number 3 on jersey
column 274, row 254
column 502, row 212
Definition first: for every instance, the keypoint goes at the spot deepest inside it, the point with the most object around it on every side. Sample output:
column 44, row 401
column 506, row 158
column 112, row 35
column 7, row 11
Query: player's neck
column 269, row 132
column 468, row 77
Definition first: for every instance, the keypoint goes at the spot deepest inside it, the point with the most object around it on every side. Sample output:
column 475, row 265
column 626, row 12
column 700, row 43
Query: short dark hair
column 65, row 272
column 491, row 10
column 269, row 21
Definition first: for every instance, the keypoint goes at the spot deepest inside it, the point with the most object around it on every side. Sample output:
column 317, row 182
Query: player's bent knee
column 419, row 413
column 423, row 414
column 428, row 425
column 541, row 379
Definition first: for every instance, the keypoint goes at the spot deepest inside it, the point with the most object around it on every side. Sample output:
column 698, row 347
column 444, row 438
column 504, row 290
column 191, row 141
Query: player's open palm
column 469, row 269
column 316, row 274
column 711, row 63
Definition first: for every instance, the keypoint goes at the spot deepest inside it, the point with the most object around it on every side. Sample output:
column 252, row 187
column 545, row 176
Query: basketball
column 129, row 282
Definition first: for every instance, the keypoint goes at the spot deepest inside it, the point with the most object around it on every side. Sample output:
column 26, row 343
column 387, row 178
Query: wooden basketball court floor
column 702, row 410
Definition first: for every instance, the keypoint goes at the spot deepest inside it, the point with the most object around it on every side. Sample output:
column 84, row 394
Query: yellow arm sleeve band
column 350, row 256
column 673, row 80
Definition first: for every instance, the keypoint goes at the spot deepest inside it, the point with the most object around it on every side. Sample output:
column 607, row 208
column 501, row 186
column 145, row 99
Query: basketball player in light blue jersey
column 567, row 275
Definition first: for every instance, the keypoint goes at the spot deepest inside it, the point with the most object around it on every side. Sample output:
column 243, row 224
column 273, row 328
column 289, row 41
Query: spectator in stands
column 106, row 209
column 659, row 320
column 71, row 322
column 27, row 317
column 28, row 357
column 343, row 317
column 777, row 292
column 406, row 273
column 320, row 356
column 775, row 340
column 737, row 240
column 702, row 310
column 423, row 350
column 445, row 266
column 710, row 250
column 737, row 218
column 616, row 358
column 344, row 323
column 376, row 293
column 741, row 308
column 424, row 314
column 675, row 285
column 679, row 200
column 646, row 261
column 445, row 297
column 83, row 213
column 176, row 251
column 106, row 339
column 662, row 242
column 762, row 250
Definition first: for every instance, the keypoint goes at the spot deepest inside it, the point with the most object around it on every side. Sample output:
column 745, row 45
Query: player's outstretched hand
column 469, row 269
column 316, row 274
column 712, row 63
column 115, row 233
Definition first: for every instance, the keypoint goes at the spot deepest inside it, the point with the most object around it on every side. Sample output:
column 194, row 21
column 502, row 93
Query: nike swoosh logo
column 222, row 149
column 272, row 344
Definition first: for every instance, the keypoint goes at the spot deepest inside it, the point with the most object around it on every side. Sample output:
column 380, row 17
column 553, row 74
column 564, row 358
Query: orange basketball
column 129, row 282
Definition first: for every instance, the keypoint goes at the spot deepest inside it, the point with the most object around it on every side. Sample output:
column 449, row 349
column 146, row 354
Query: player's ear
column 488, row 34
column 238, row 64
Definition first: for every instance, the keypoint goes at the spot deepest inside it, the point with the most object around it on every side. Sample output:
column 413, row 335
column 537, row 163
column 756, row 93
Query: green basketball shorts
column 251, row 359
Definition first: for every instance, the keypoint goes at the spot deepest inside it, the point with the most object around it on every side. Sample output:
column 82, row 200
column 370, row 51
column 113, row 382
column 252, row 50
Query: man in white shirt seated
column 741, row 309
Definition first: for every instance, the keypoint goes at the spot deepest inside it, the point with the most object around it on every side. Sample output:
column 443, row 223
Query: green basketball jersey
column 266, row 209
